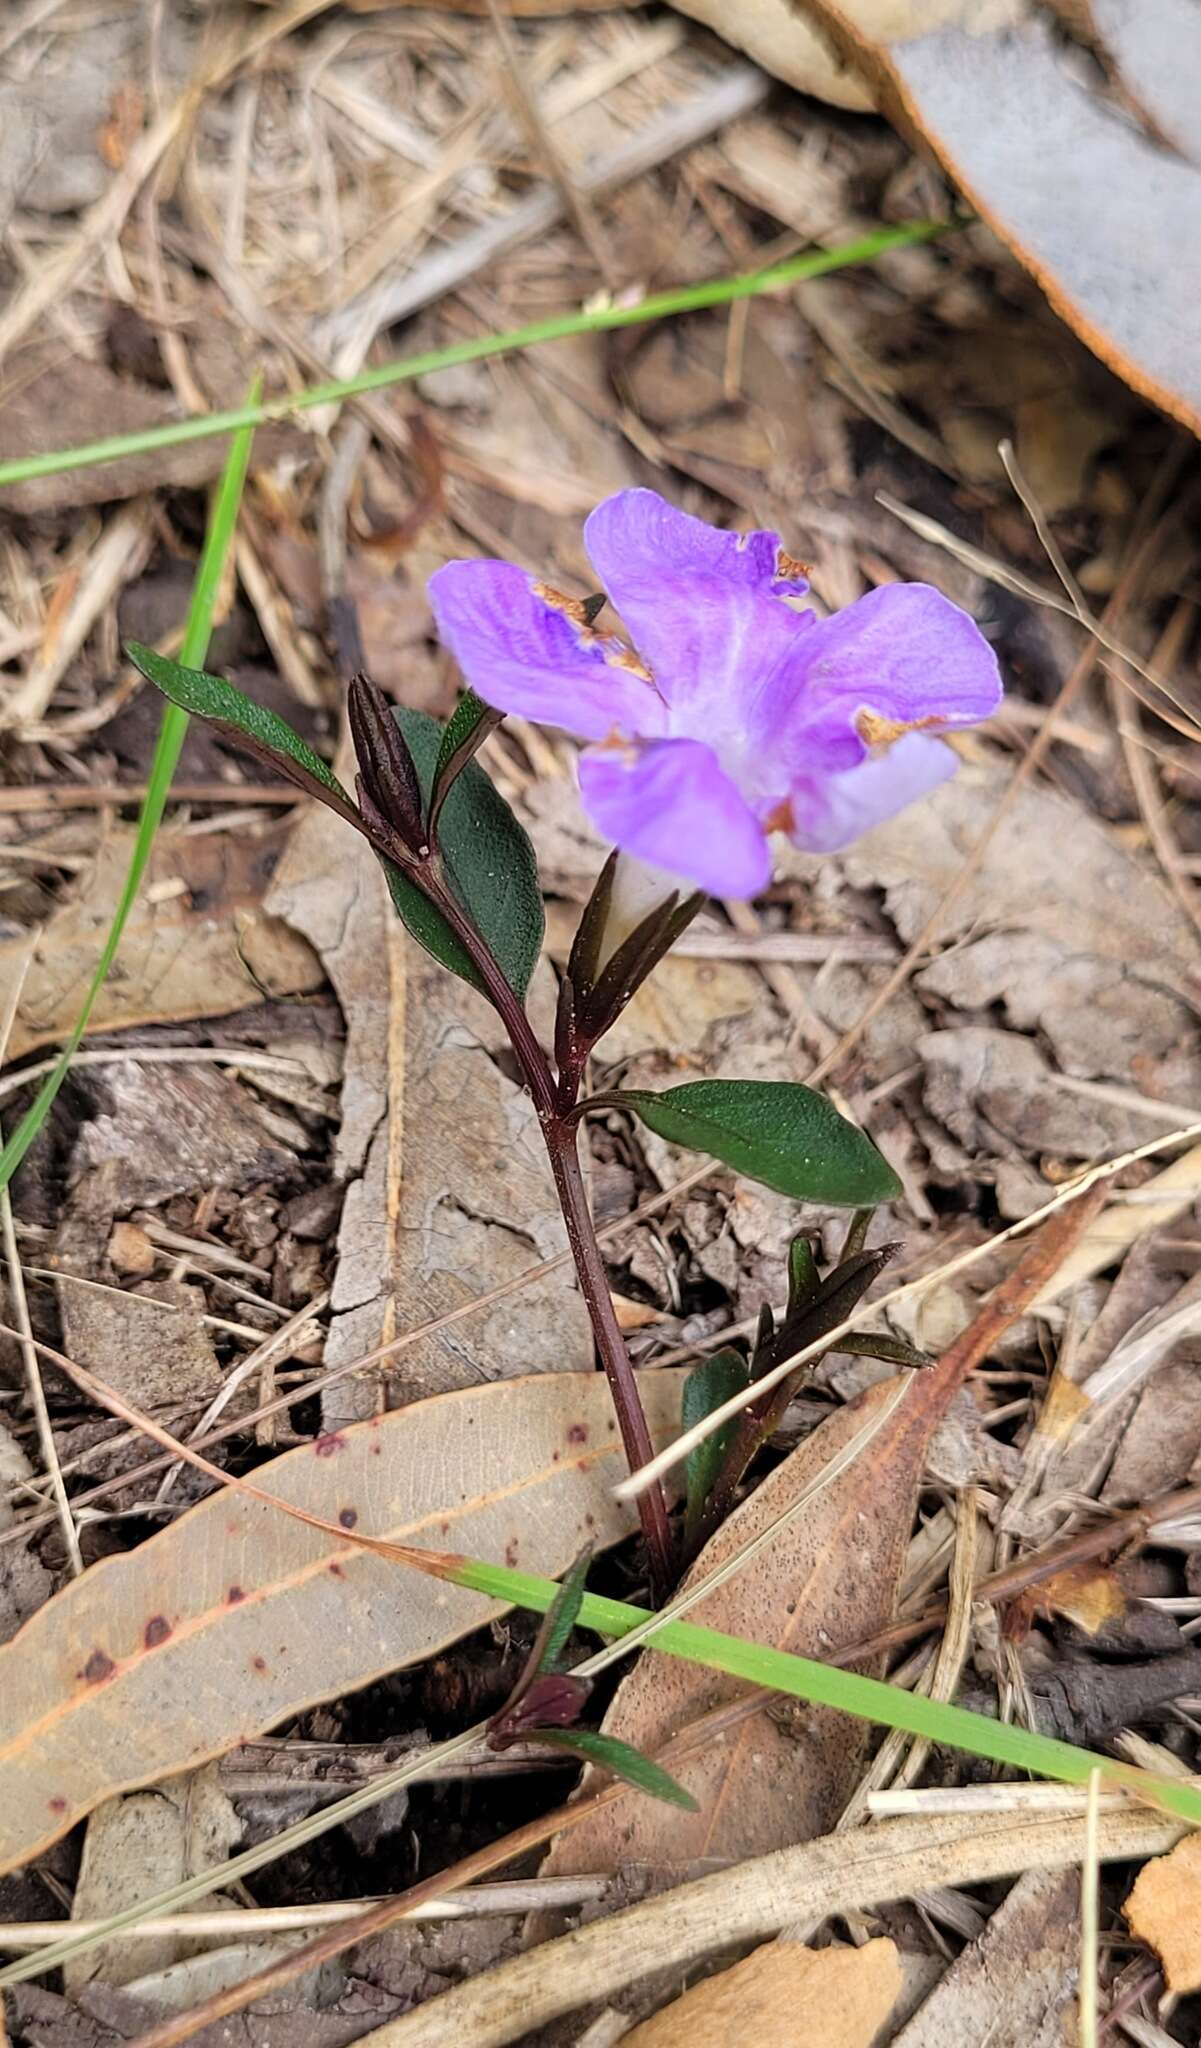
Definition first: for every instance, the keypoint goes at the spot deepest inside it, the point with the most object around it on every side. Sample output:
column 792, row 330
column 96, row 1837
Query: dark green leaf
column 623, row 1760
column 626, row 969
column 710, row 1383
column 489, row 863
column 893, row 1350
column 255, row 728
column 584, row 958
column 463, row 735
column 776, row 1132
column 803, row 1276
column 561, row 1615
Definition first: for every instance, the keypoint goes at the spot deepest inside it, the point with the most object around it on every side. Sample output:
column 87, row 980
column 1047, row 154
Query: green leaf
column 561, row 1617
column 463, row 735
column 489, row 863
column 803, row 1276
column 255, row 728
column 776, row 1132
column 623, row 1760
column 710, row 1383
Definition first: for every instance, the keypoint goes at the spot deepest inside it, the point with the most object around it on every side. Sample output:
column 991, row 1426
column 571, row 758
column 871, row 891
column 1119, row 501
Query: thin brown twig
column 577, row 206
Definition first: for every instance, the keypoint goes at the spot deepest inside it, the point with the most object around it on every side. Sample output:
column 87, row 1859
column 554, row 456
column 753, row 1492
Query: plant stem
column 561, row 1138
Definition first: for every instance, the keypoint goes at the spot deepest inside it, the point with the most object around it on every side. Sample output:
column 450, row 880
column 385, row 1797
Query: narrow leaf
column 463, row 735
column 710, row 1383
column 489, row 863
column 623, row 1760
column 561, row 1617
column 237, row 1616
column 626, row 970
column 584, row 957
column 260, row 731
column 776, row 1132
column 803, row 1276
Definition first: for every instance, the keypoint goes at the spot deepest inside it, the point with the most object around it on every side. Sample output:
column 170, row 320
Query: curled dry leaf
column 784, row 1992
column 238, row 1615
column 1033, row 143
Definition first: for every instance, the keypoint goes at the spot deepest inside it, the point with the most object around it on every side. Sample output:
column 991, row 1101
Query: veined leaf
column 623, row 1760
column 710, row 1383
column 777, row 1132
column 259, row 731
column 489, row 862
column 238, row 1616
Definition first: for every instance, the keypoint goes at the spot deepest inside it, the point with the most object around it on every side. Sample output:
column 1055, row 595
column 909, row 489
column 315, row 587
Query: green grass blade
column 868, row 1699
column 162, row 769
column 688, row 299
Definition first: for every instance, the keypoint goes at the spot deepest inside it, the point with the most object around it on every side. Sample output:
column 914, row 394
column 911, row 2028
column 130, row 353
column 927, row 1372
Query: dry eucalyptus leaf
column 781, row 1993
column 777, row 36
column 197, row 943
column 238, row 1615
column 1164, row 1910
column 1086, row 196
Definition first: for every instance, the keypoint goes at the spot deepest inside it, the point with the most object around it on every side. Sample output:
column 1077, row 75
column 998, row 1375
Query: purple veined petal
column 701, row 604
column 830, row 810
column 525, row 655
column 904, row 654
column 670, row 803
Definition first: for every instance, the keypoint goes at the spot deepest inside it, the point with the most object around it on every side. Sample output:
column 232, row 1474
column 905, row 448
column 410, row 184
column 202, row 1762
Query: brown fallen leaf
column 994, row 93
column 1015, row 1986
column 197, row 944
column 1164, row 1910
column 238, row 1615
column 827, row 1578
column 784, row 1996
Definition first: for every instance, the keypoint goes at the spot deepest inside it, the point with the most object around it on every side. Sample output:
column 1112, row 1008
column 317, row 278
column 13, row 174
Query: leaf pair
column 547, row 1700
column 485, row 857
column 816, row 1307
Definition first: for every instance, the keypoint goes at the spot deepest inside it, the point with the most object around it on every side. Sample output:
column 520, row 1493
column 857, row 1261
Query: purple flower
column 739, row 715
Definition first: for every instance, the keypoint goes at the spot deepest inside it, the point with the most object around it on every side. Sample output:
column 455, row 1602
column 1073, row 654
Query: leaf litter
column 1054, row 1022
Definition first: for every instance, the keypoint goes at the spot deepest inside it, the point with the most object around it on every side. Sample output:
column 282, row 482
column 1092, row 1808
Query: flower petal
column 522, row 654
column 670, row 803
column 905, row 655
column 831, row 810
column 697, row 600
